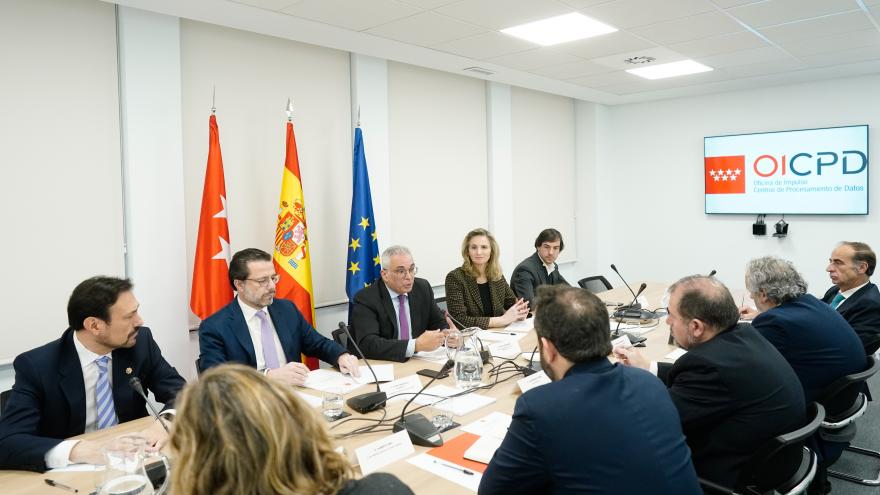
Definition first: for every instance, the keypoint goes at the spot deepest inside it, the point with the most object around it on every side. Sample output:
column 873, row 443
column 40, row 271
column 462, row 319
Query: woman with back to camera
column 237, row 432
column 477, row 294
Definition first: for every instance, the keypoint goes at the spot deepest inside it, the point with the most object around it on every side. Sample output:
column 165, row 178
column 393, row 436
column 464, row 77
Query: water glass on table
column 443, row 413
column 332, row 403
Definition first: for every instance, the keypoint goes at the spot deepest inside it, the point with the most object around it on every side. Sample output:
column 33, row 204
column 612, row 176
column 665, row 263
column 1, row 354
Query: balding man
column 733, row 389
column 853, row 295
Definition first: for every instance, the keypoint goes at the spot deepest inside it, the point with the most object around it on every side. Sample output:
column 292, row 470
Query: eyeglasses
column 264, row 282
column 402, row 272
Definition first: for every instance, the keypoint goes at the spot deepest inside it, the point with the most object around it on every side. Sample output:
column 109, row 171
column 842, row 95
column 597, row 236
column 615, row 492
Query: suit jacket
column 602, row 429
column 530, row 273
column 375, row 324
column 224, row 336
column 862, row 311
column 734, row 393
column 48, row 401
column 815, row 340
column 464, row 303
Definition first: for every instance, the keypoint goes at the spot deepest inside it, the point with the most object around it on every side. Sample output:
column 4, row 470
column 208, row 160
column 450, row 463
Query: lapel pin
column 127, row 371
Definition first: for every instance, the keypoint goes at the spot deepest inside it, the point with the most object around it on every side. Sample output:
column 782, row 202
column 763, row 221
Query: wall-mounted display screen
column 808, row 171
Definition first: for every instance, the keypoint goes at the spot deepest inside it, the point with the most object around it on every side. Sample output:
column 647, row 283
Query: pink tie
column 404, row 319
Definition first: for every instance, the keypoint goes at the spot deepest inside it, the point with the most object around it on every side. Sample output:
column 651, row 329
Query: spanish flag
column 292, row 241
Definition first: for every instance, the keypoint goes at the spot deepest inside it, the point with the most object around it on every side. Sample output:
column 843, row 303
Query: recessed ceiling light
column 671, row 69
column 559, row 29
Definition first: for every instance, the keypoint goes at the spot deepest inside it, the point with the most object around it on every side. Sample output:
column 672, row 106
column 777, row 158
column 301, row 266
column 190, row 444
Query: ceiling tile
column 425, row 29
column 838, row 42
column 828, row 25
column 661, row 54
column 534, row 59
column 500, row 14
column 745, row 57
column 773, row 12
column 352, row 14
column 766, row 68
column 607, row 79
column 632, row 13
column 571, row 71
column 689, row 28
column 269, row 4
column 484, row 46
column 726, row 43
column 842, row 57
column 607, row 44
column 428, row 4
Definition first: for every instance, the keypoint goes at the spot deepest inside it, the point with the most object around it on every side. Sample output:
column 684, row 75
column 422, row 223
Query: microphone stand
column 369, row 401
column 421, row 430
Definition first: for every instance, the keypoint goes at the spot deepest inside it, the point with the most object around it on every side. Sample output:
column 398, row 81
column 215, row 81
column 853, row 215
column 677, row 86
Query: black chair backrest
column 341, row 338
column 775, row 462
column 842, row 394
column 441, row 303
column 198, row 366
column 4, row 397
column 595, row 284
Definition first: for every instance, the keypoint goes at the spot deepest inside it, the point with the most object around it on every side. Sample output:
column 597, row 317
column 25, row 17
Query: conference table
column 657, row 347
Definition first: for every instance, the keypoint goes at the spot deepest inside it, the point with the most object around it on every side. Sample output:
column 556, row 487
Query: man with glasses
column 396, row 317
column 267, row 333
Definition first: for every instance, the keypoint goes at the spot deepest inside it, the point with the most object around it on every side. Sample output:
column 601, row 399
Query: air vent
column 639, row 60
column 479, row 70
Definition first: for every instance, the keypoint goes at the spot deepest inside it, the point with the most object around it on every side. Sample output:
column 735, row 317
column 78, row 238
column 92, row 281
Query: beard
column 545, row 365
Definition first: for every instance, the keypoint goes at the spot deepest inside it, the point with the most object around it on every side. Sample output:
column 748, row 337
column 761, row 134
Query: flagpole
column 213, row 99
column 289, row 111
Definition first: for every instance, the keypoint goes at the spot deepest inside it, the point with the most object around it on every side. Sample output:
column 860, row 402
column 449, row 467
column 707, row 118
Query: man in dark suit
column 263, row 332
column 397, row 316
column 589, row 431
column 853, row 295
column 733, row 389
column 80, row 382
column 540, row 268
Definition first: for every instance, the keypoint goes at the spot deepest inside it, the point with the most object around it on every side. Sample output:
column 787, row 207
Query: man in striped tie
column 80, row 382
column 853, row 295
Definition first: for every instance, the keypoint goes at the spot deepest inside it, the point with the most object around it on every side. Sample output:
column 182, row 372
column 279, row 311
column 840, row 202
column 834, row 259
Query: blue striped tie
column 104, row 396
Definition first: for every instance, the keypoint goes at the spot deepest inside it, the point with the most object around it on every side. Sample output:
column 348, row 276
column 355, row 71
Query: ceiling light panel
column 559, row 29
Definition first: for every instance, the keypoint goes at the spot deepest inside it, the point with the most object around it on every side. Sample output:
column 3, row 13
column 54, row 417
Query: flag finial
column 359, row 117
column 289, row 110
column 214, row 99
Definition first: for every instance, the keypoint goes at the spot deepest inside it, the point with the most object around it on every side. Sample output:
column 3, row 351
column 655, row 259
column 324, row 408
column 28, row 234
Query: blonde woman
column 477, row 294
column 237, row 431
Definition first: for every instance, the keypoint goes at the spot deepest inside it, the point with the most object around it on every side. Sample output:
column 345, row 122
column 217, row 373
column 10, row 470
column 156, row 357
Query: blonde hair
column 237, row 431
column 493, row 266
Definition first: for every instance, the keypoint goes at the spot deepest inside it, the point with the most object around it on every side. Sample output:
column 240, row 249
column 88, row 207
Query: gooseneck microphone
column 135, row 383
column 369, row 401
column 712, row 273
column 421, row 430
column 628, row 313
column 634, row 304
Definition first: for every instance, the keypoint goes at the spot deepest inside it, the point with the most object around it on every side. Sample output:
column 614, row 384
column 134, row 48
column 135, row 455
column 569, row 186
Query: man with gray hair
column 733, row 390
column 853, row 295
column 396, row 316
column 815, row 340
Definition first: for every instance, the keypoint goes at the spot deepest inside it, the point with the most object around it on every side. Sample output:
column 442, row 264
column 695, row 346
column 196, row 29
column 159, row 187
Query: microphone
column 135, row 383
column 369, row 401
column 634, row 304
column 421, row 430
column 712, row 273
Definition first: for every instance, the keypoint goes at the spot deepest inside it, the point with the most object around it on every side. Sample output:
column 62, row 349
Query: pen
column 60, row 485
column 465, row 471
column 502, row 333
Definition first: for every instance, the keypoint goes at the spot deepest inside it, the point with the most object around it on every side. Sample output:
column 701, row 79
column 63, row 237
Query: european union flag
column 363, row 248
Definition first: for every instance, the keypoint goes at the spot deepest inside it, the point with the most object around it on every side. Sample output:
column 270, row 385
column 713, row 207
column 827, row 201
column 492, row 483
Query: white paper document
column 483, row 449
column 500, row 336
column 622, row 341
column 310, row 399
column 494, row 424
column 378, row 454
column 384, row 372
column 532, row 381
column 521, row 326
column 461, row 405
column 531, row 357
column 77, row 468
column 326, row 380
column 441, row 468
column 402, row 388
column 436, row 356
column 505, row 350
column 672, row 356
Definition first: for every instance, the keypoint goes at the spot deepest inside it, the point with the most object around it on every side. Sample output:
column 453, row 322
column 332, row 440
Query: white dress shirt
column 255, row 329
column 850, row 292
column 411, row 344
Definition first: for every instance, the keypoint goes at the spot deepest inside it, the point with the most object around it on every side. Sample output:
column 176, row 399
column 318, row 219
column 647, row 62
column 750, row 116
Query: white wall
column 650, row 173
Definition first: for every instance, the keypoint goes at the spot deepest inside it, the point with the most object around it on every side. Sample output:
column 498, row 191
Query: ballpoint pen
column 60, row 485
column 465, row 471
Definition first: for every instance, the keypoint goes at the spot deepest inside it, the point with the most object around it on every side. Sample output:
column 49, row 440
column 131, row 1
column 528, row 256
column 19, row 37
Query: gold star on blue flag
column 363, row 252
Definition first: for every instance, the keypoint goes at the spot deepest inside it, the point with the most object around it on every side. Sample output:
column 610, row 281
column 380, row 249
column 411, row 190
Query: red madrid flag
column 210, row 283
column 725, row 174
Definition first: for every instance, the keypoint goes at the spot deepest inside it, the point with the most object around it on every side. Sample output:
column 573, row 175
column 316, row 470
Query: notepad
column 483, row 449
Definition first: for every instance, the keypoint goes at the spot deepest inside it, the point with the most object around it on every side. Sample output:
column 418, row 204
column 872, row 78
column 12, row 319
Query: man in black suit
column 396, row 317
column 589, row 430
column 733, row 389
column 540, row 268
column 80, row 382
column 853, row 295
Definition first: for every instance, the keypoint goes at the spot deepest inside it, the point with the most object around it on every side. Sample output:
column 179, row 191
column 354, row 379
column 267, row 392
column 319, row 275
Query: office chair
column 441, row 303
column 846, row 401
column 341, row 338
column 4, row 397
column 784, row 465
column 595, row 284
column 198, row 366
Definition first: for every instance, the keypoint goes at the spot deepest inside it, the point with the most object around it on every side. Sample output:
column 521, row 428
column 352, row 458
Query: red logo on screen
column 726, row 174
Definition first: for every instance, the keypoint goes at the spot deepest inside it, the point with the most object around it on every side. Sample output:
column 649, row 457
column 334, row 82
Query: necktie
column 104, row 395
column 404, row 319
column 270, row 354
column 837, row 300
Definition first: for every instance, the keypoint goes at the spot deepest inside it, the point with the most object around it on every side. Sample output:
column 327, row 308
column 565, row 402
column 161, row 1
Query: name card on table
column 622, row 341
column 532, row 381
column 378, row 454
column 402, row 388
